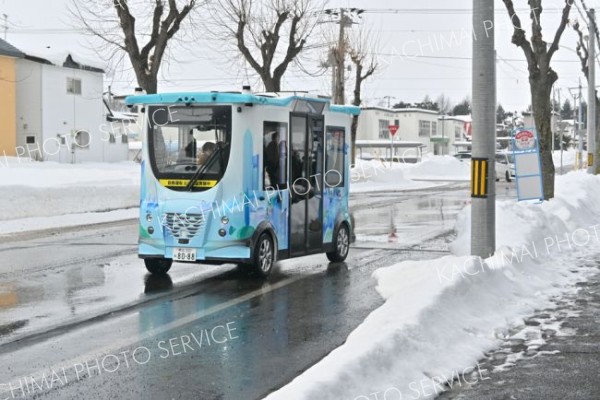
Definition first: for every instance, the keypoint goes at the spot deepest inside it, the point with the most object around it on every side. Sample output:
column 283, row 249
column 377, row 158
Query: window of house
column 457, row 133
column 424, row 128
column 30, row 140
column 335, row 165
column 275, row 157
column 112, row 139
column 73, row 86
column 124, row 139
column 433, row 128
column 384, row 131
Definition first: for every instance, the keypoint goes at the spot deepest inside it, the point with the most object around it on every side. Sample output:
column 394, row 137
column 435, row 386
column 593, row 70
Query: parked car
column 463, row 155
column 505, row 166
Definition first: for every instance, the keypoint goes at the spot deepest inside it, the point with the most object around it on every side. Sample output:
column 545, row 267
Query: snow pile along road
column 43, row 189
column 441, row 316
column 440, row 168
column 375, row 175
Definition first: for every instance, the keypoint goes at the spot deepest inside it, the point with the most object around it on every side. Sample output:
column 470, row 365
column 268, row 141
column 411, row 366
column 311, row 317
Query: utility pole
column 483, row 191
column 340, row 79
column 5, row 17
column 389, row 99
column 338, row 55
column 591, row 125
column 579, row 126
column 333, row 65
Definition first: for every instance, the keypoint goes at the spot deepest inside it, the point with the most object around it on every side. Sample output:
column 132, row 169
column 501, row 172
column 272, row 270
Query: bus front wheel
column 341, row 243
column 158, row 266
column 264, row 255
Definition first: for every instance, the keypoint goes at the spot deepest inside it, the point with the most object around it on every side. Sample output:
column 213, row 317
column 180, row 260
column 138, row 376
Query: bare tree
column 365, row 65
column 583, row 53
column 145, row 43
column 269, row 34
column 444, row 104
column 541, row 77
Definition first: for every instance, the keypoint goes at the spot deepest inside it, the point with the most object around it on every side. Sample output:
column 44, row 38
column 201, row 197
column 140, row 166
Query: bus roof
column 232, row 98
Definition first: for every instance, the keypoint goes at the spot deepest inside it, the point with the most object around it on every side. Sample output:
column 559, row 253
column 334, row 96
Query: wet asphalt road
column 78, row 303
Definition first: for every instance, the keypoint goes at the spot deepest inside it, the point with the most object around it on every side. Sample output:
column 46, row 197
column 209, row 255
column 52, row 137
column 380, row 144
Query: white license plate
column 183, row 254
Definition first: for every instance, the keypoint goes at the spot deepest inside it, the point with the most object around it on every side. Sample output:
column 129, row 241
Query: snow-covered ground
column 374, row 175
column 34, row 190
column 440, row 316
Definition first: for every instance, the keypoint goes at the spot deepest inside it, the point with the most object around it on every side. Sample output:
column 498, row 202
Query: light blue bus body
column 225, row 175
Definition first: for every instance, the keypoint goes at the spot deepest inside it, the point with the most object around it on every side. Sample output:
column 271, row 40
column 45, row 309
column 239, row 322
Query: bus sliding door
column 306, row 184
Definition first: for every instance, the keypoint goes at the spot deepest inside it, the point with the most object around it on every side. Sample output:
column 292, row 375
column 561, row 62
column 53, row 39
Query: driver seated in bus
column 207, row 149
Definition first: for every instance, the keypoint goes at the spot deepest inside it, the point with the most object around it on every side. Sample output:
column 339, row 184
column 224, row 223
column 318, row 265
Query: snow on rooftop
column 58, row 57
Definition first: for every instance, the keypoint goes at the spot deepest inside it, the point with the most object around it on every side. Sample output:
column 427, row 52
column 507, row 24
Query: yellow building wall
column 8, row 106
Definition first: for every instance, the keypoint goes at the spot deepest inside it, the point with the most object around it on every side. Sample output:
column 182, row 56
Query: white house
column 437, row 133
column 61, row 115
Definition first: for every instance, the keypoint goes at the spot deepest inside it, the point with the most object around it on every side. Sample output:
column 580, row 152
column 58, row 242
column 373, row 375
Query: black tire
column 341, row 241
column 158, row 266
column 264, row 255
column 507, row 176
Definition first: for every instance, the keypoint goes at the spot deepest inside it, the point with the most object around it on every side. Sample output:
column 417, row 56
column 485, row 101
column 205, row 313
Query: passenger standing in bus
column 191, row 148
column 272, row 159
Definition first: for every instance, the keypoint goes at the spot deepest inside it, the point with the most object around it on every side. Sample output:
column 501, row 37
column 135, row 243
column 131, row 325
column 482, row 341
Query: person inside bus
column 191, row 148
column 272, row 159
column 207, row 149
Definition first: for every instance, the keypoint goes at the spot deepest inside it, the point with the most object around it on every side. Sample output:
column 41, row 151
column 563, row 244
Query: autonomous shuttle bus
column 243, row 178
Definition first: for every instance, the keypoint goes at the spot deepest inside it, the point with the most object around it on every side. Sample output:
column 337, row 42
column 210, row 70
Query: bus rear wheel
column 264, row 255
column 341, row 243
column 158, row 266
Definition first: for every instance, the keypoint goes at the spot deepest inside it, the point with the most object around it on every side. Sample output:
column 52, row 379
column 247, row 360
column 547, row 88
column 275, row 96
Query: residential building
column 8, row 98
column 416, row 126
column 61, row 115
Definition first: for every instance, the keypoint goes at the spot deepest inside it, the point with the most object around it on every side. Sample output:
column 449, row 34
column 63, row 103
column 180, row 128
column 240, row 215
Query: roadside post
column 483, row 190
column 393, row 129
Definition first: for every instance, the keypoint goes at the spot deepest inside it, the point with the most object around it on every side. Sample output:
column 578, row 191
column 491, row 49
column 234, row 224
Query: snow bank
column 441, row 316
column 34, row 189
column 374, row 175
column 441, row 168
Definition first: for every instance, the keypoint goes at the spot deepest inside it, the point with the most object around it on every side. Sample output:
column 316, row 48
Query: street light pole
column 591, row 125
column 483, row 193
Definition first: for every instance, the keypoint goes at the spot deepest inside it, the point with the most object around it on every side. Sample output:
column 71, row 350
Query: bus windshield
column 183, row 143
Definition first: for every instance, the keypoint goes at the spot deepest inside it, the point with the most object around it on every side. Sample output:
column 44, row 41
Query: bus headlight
column 222, row 232
column 149, row 217
column 225, row 220
column 150, row 230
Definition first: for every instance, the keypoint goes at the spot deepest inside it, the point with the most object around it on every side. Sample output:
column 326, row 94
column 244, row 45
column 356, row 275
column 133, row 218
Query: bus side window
column 335, row 161
column 275, row 139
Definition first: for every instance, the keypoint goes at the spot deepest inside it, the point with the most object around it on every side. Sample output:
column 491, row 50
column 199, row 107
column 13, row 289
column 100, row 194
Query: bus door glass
column 306, row 184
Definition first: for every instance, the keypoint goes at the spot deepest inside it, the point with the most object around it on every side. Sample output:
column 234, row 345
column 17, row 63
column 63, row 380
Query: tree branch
column 563, row 24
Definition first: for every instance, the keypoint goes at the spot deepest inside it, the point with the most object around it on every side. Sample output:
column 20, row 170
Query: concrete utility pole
column 483, row 193
column 340, row 79
column 591, row 125
column 333, row 66
column 5, row 17
column 579, row 127
column 338, row 55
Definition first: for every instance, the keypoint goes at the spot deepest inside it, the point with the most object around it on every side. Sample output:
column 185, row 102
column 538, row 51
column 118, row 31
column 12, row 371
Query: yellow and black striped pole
column 479, row 178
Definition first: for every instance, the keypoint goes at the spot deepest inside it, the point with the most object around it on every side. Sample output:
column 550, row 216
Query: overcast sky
column 438, row 30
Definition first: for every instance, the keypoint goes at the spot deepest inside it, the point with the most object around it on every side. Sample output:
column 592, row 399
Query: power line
column 409, row 56
column 444, row 11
